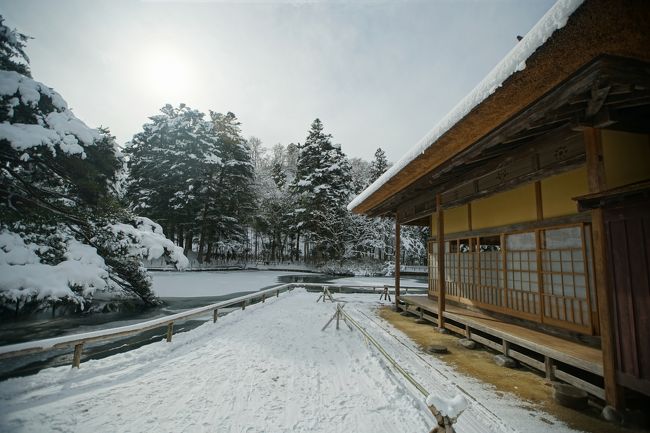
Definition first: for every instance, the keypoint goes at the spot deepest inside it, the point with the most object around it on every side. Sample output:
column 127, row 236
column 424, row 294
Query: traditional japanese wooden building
column 537, row 191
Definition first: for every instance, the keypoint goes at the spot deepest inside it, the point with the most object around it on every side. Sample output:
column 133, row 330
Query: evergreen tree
column 322, row 188
column 379, row 165
column 164, row 166
column 228, row 196
column 63, row 233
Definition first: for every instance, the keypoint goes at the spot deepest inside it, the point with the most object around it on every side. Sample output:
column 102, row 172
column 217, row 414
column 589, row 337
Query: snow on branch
column 23, row 275
column 145, row 239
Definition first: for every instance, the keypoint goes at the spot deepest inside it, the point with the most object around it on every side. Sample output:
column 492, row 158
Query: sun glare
column 166, row 74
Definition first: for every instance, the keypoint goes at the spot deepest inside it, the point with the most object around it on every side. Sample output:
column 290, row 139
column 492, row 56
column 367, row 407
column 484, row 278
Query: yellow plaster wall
column 626, row 157
column 456, row 219
column 434, row 221
column 509, row 207
column 557, row 192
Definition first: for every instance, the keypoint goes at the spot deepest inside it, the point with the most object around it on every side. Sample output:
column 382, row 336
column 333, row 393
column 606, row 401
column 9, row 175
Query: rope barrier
column 467, row 395
column 444, row 422
column 390, row 359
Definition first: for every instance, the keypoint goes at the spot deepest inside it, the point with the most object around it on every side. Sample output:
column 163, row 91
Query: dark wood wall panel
column 628, row 233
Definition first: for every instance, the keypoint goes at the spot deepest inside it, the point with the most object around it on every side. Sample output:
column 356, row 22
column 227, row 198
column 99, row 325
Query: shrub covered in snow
column 63, row 232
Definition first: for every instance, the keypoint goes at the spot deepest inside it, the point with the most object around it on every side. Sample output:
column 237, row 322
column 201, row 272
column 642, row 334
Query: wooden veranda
column 558, row 358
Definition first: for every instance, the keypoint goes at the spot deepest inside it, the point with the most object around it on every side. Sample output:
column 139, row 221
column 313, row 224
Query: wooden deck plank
column 571, row 353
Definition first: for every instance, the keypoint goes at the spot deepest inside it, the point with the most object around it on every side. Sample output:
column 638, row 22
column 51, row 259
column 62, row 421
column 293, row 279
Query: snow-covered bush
column 59, row 269
column 63, row 232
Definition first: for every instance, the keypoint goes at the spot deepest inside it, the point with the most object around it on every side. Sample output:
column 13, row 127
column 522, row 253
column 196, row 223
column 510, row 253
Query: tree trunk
column 179, row 238
column 188, row 242
column 255, row 246
column 208, row 253
column 298, row 246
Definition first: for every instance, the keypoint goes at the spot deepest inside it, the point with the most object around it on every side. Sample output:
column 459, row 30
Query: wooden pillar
column 596, row 182
column 398, row 254
column 440, row 239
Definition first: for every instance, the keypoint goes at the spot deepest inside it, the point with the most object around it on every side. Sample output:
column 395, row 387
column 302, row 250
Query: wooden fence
column 79, row 340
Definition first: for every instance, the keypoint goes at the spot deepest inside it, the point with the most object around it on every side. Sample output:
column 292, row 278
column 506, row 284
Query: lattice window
column 490, row 257
column 565, row 276
column 522, row 288
column 542, row 275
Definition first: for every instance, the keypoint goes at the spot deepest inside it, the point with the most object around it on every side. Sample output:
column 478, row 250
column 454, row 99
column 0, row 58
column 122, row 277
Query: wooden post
column 170, row 331
column 398, row 254
column 596, row 182
column 76, row 358
column 549, row 368
column 338, row 315
column 263, row 298
column 440, row 239
column 215, row 315
column 603, row 296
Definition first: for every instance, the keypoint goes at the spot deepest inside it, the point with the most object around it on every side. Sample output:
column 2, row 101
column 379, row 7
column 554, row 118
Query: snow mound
column 452, row 407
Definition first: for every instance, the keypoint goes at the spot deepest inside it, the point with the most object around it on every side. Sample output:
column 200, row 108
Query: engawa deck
column 572, row 362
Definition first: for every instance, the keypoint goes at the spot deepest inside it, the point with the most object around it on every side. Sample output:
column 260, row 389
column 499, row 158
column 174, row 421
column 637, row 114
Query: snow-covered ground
column 269, row 368
column 217, row 283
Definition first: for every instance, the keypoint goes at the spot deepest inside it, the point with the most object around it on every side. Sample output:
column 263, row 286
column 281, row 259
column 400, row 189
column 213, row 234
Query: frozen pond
column 220, row 283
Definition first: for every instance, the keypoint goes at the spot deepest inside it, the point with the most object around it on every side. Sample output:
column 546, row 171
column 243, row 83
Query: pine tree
column 229, row 196
column 322, row 187
column 379, row 165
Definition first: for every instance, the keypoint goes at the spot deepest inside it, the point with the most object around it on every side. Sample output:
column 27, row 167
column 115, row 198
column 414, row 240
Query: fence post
column 215, row 314
column 76, row 358
column 170, row 331
column 263, row 298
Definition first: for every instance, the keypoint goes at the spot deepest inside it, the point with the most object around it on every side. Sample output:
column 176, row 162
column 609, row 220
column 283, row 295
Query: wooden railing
column 79, row 340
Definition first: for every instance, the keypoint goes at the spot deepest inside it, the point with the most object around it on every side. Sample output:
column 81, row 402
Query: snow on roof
column 514, row 61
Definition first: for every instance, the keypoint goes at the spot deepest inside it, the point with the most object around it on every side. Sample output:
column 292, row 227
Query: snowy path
column 266, row 369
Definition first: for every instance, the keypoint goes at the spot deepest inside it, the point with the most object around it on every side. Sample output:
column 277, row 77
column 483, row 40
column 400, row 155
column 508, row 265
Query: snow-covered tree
column 378, row 165
column 165, row 167
column 58, row 207
column 360, row 174
column 322, row 188
column 195, row 175
column 228, row 196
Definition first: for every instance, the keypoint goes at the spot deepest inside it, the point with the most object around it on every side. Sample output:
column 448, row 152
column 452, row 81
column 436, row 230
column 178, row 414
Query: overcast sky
column 377, row 73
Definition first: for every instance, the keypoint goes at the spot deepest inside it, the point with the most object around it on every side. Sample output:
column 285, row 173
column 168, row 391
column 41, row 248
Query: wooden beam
column 538, row 201
column 595, row 161
column 397, row 262
column 596, row 182
column 440, row 236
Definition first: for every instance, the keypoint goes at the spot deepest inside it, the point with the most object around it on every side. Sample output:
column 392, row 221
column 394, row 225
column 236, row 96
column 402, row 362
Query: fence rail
column 79, row 340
